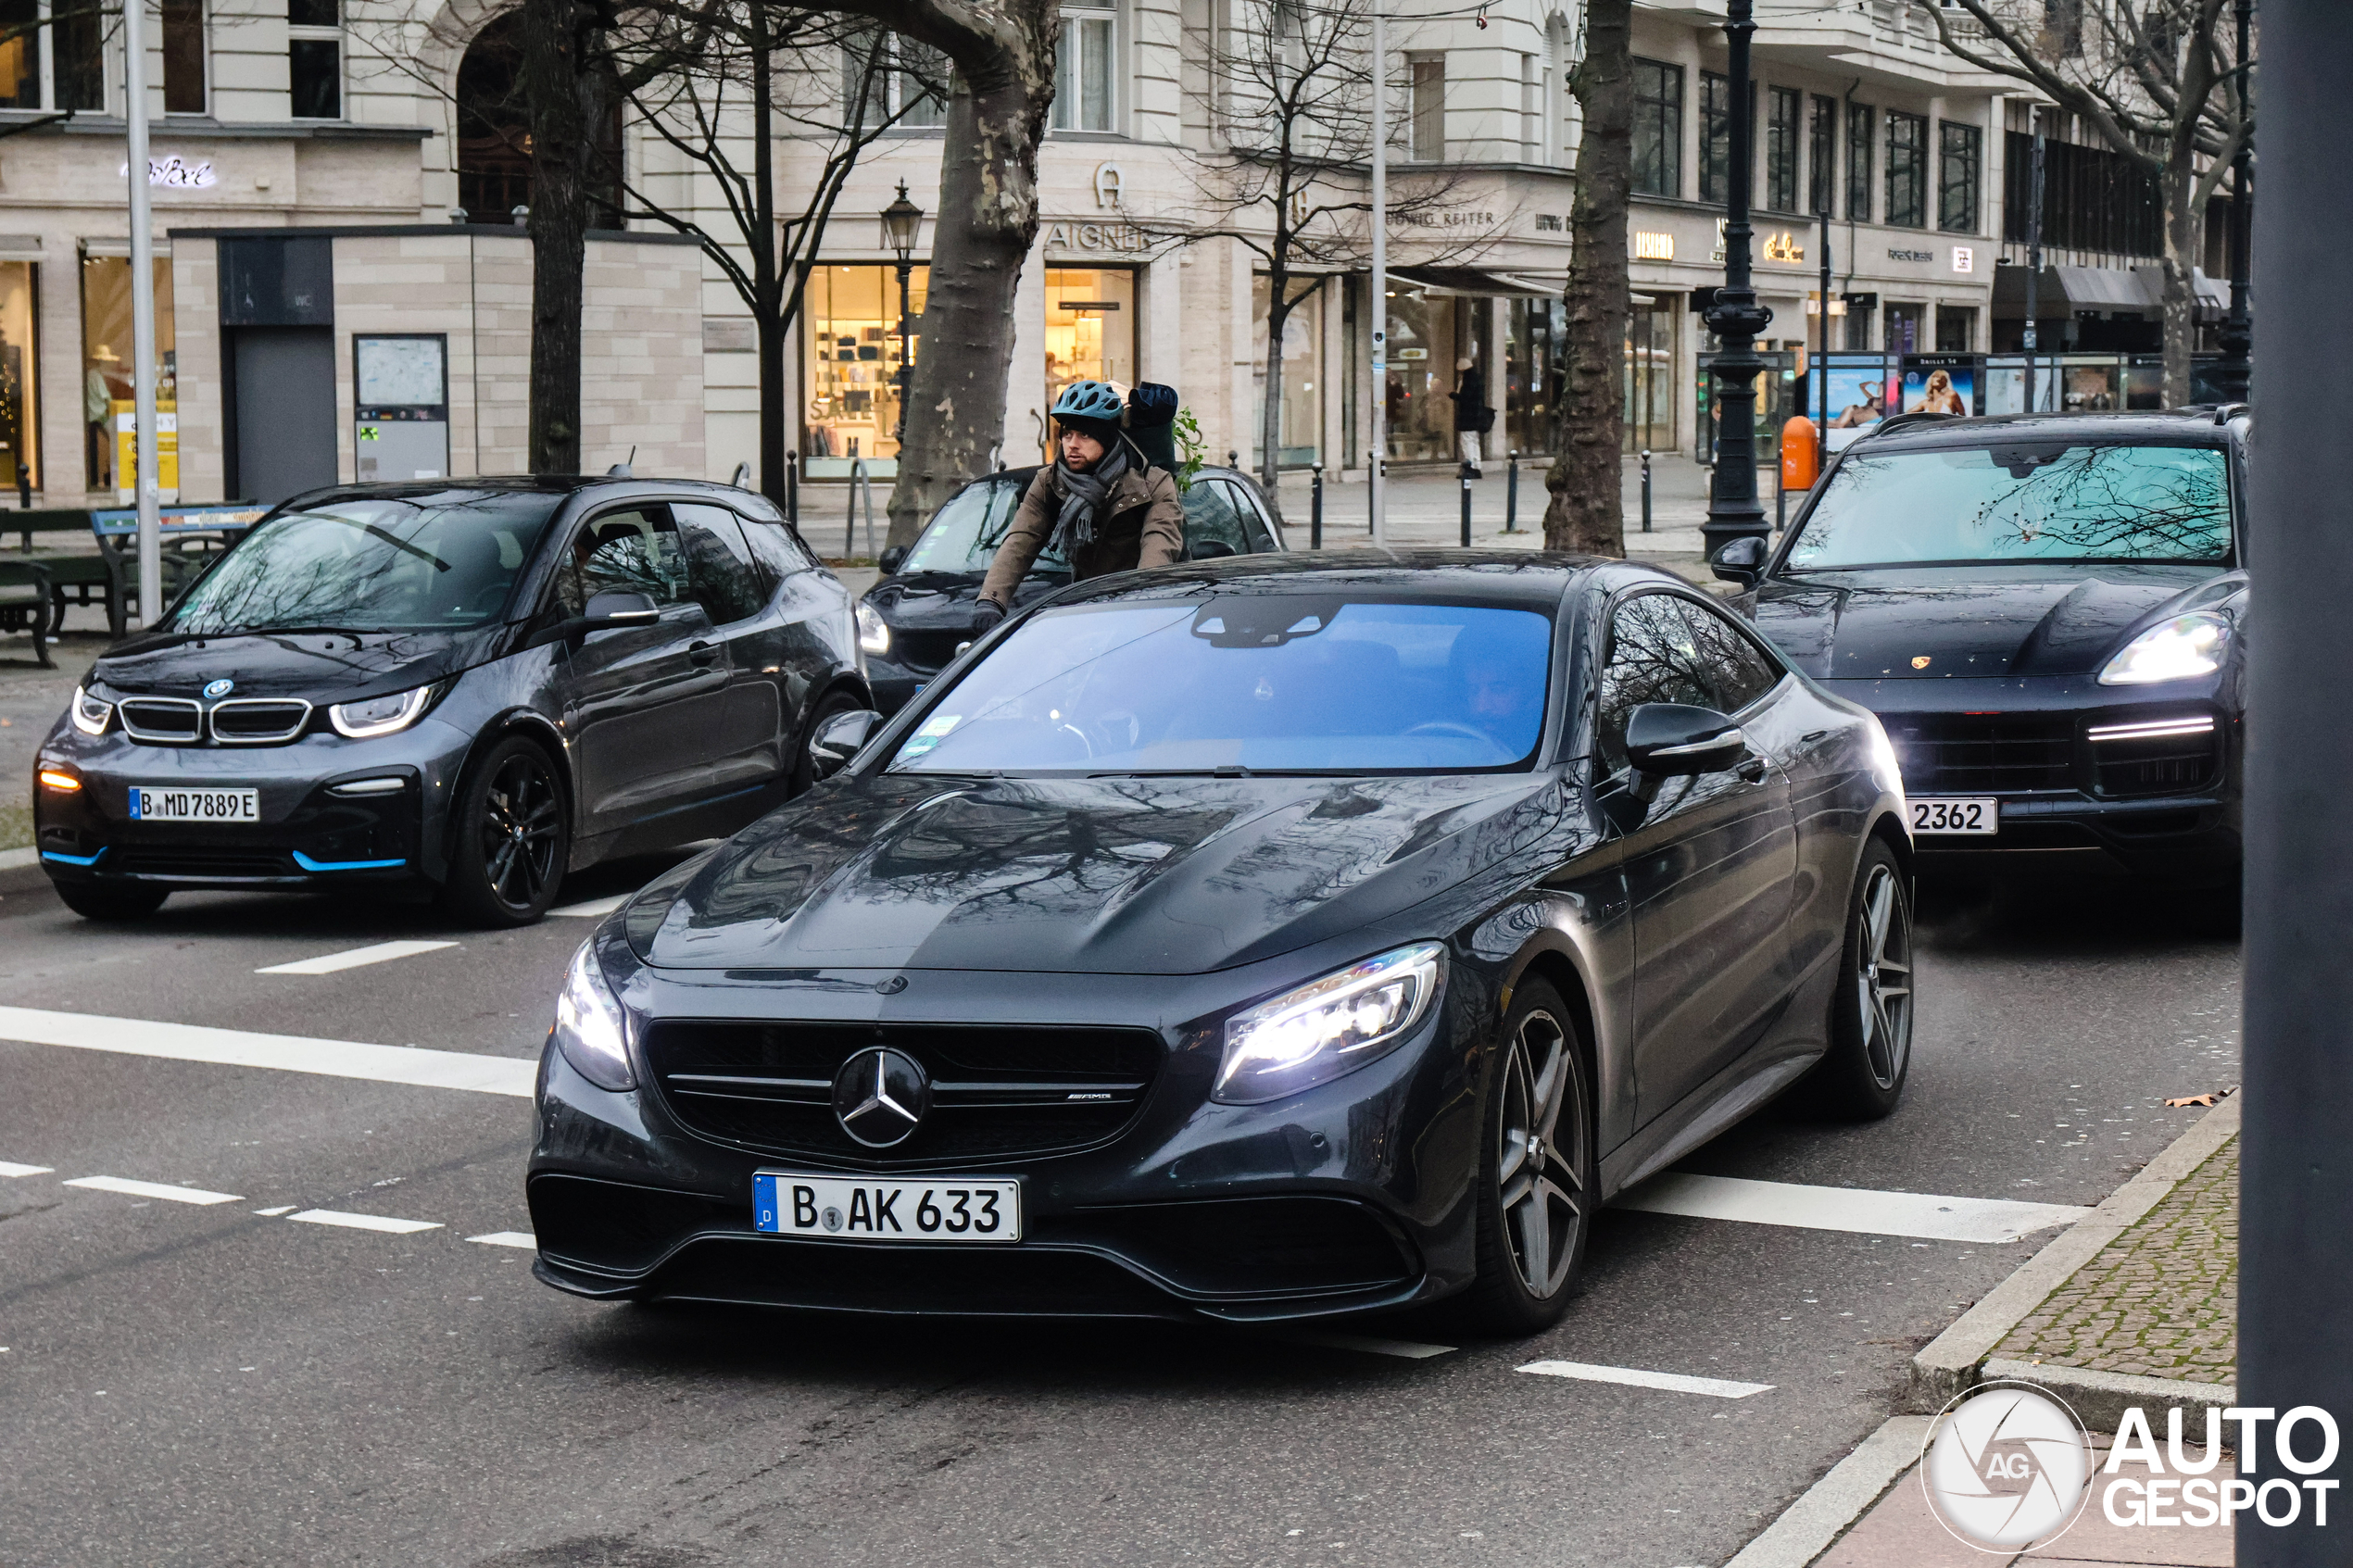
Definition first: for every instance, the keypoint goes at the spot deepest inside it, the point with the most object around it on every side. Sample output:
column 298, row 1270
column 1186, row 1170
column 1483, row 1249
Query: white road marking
column 509, row 1238
column 153, row 1189
column 595, row 906
column 288, row 1053
column 328, row 963
column 1371, row 1345
column 273, row 1214
column 1672, row 1382
column 1990, row 1219
column 8, row 1170
column 364, row 1221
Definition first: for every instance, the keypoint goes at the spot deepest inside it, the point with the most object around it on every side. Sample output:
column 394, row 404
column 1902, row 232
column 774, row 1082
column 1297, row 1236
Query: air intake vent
column 163, row 720
column 260, row 721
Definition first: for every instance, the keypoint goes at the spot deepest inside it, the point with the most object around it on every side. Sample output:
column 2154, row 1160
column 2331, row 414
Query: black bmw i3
column 1264, row 938
column 473, row 684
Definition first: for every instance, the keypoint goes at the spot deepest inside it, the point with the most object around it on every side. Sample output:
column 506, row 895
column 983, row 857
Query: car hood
column 318, row 666
column 1940, row 622
column 1112, row 875
column 943, row 600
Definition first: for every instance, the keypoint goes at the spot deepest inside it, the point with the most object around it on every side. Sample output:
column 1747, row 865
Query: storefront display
column 1424, row 330
column 1090, row 327
column 852, row 335
column 19, row 399
column 1651, row 329
column 1302, row 417
column 1535, row 373
column 106, row 393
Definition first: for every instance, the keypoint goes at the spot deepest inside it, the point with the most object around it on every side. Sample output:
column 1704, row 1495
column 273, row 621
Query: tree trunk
column 1270, row 414
column 988, row 221
column 766, row 314
column 1583, row 509
column 557, row 89
column 2185, row 239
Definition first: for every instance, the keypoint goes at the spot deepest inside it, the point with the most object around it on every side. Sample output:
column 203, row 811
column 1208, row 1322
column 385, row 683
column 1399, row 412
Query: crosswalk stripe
column 356, row 957
column 152, row 1189
column 363, row 1222
column 1989, row 1220
column 8, row 1170
column 509, row 1238
column 287, row 1053
column 1672, row 1382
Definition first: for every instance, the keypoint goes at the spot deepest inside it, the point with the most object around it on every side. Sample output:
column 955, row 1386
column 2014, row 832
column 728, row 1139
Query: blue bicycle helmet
column 1089, row 400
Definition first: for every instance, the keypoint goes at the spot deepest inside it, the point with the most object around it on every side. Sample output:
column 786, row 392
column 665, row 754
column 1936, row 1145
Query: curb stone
column 1962, row 1357
column 1809, row 1526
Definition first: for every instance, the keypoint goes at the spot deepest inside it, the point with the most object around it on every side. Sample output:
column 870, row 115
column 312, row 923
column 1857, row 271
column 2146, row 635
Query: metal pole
column 2234, row 377
column 1646, row 490
column 2034, row 252
column 1735, row 317
column 1466, row 500
column 850, row 520
column 906, row 364
column 146, row 474
column 1315, row 511
column 1375, row 476
column 792, row 490
column 2296, row 1250
column 1822, row 403
column 1511, row 491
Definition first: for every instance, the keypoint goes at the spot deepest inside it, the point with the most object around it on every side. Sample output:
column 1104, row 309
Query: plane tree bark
column 1583, row 508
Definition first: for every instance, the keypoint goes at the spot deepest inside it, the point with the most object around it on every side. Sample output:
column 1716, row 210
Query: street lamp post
column 1735, row 317
column 2235, row 375
column 902, row 220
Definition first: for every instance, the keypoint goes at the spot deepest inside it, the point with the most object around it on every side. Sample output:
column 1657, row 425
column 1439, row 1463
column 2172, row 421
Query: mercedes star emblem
column 880, row 1096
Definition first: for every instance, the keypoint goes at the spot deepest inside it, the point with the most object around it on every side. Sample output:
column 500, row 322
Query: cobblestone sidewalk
column 2160, row 1300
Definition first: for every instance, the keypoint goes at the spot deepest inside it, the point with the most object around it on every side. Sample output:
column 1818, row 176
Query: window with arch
column 494, row 133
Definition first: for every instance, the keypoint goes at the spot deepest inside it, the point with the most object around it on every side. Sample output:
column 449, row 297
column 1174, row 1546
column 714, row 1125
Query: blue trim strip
column 306, row 863
column 74, row 860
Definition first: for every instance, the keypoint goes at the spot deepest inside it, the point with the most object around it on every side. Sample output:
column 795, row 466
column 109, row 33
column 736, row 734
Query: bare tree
column 2146, row 80
column 1584, row 509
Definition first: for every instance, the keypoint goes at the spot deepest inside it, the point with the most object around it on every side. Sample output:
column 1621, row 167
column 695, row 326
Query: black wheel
column 507, row 838
column 96, row 901
column 1862, row 1076
column 1537, row 1180
column 830, row 707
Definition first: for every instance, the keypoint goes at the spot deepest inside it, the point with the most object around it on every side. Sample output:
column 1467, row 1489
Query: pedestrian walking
column 1102, row 503
column 1473, row 418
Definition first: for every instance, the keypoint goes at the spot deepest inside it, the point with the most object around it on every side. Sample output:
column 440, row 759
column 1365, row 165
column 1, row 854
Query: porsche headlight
column 874, row 632
column 375, row 716
column 1329, row 1026
column 1885, row 766
column 89, row 715
column 591, row 1029
column 2178, row 649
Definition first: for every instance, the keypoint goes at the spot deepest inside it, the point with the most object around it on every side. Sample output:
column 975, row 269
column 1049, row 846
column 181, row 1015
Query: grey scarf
column 1084, row 495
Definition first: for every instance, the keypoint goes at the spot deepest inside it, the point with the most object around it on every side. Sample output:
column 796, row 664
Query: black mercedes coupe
column 1267, row 939
column 2048, row 614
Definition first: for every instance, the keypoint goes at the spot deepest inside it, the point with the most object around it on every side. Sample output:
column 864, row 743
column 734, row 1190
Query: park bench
column 107, row 577
column 74, row 576
column 26, row 591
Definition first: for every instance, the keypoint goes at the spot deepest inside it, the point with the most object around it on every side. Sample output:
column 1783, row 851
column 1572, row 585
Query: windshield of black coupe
column 965, row 536
column 2047, row 501
column 448, row 560
column 1315, row 684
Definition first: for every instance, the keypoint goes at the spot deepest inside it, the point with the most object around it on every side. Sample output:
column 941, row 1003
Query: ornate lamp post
column 2233, row 376
column 1735, row 317
column 902, row 220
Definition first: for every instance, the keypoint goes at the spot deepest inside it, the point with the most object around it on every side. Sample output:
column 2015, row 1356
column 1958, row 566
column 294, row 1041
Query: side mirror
column 890, row 561
column 1673, row 740
column 1742, row 561
column 843, row 736
column 1212, row 549
column 619, row 608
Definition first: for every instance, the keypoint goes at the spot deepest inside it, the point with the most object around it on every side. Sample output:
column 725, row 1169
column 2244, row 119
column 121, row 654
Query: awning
column 2065, row 290
column 1473, row 282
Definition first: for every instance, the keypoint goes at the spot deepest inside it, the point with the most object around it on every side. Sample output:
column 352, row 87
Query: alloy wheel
column 521, row 821
column 1884, row 981
column 1539, row 1158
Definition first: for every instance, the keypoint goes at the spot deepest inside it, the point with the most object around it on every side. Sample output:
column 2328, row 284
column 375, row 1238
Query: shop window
column 1783, row 107
column 1715, row 136
column 106, row 391
column 1424, row 333
column 1301, row 433
column 19, row 55
column 1657, row 154
column 852, row 315
column 81, row 62
column 1083, row 88
column 1903, row 324
column 314, row 58
column 1650, row 375
column 1535, row 374
column 1090, row 327
column 1960, row 150
column 1955, row 328
column 1906, row 170
column 20, row 410
column 1822, row 156
column 1426, row 117
column 1860, row 120
column 183, row 52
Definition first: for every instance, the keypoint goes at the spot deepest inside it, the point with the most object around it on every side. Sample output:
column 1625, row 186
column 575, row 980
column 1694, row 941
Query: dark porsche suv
column 2048, row 614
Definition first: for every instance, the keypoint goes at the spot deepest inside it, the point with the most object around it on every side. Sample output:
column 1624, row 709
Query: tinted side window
column 1740, row 673
column 632, row 551
column 719, row 566
column 1261, row 538
column 1211, row 518
column 776, row 547
column 1652, row 658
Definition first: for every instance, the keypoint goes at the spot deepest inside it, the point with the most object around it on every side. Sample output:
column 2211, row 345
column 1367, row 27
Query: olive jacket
column 1143, row 526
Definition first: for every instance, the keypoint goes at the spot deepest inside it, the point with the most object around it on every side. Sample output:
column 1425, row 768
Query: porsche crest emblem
column 1920, row 663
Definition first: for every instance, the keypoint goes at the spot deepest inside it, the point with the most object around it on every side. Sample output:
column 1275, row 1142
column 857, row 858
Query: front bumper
column 1349, row 1197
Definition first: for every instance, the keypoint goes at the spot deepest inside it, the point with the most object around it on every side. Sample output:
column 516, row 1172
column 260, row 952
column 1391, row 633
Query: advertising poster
column 1939, row 389
column 1856, row 400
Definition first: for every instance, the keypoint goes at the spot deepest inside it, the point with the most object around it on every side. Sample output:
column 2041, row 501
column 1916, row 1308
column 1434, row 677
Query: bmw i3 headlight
column 384, row 715
column 89, row 714
column 2171, row 650
column 591, row 1029
column 874, row 632
column 1329, row 1026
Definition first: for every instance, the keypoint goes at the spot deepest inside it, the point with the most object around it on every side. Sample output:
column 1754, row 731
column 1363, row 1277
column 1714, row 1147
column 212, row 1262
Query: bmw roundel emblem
column 221, row 687
column 880, row 1096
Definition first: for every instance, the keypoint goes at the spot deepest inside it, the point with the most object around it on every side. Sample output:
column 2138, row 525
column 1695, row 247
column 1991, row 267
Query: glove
column 987, row 613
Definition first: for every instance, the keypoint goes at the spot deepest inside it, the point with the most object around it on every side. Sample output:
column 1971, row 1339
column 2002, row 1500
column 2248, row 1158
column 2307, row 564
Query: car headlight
column 591, row 1029
column 874, row 632
column 2171, row 650
column 375, row 716
column 89, row 715
column 1329, row 1026
column 1886, row 767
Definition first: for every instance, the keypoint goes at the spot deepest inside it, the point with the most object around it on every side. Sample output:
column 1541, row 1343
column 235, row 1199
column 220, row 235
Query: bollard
column 792, row 491
column 1466, row 500
column 1233, row 458
column 1511, row 491
column 850, row 523
column 1315, row 511
column 1646, row 490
